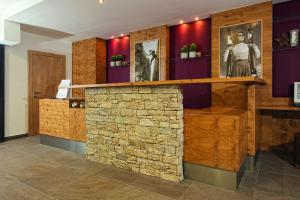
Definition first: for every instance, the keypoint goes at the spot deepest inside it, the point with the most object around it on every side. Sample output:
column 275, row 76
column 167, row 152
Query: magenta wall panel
column 199, row 32
column 286, row 62
column 114, row 47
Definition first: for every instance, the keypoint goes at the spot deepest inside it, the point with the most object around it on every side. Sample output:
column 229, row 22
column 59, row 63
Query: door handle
column 35, row 94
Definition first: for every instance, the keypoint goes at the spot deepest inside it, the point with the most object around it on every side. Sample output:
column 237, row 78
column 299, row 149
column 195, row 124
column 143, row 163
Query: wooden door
column 46, row 70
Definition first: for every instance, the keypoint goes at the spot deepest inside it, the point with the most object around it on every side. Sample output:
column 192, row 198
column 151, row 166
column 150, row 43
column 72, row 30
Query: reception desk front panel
column 137, row 128
column 57, row 119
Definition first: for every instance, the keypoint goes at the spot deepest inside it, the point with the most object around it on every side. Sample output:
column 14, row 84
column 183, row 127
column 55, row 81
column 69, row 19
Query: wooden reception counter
column 236, row 80
column 143, row 127
column 58, row 119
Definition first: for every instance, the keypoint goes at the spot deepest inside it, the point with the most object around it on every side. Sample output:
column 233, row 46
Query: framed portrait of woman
column 241, row 50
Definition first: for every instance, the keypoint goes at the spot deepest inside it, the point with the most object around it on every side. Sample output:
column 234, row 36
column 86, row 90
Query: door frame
column 2, row 93
column 30, row 81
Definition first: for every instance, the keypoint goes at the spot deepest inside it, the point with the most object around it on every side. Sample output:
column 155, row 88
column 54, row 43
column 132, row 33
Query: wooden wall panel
column 78, row 129
column 261, row 94
column 229, row 95
column 89, row 63
column 54, row 118
column 262, row 12
column 162, row 33
column 215, row 137
column 58, row 120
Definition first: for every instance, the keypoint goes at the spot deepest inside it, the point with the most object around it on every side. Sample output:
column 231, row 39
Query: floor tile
column 30, row 171
column 162, row 187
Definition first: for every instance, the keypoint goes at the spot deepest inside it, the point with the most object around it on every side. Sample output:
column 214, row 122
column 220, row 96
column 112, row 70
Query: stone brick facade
column 138, row 128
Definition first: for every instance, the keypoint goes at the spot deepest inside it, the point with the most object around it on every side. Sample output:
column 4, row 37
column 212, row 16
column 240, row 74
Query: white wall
column 16, row 77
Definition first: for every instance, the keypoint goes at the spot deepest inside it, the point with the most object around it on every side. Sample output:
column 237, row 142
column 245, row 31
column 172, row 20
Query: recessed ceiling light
column 181, row 22
column 196, row 18
column 122, row 34
column 112, row 37
column 101, row 1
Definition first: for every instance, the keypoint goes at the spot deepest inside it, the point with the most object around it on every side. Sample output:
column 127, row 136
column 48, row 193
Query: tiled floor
column 29, row 170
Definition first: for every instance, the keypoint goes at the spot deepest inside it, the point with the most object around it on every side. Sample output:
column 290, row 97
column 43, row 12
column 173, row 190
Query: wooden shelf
column 235, row 80
column 287, row 19
column 286, row 49
column 189, row 59
column 279, row 107
column 216, row 110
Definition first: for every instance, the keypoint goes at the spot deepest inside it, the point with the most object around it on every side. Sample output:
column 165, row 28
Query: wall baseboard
column 16, row 137
column 69, row 145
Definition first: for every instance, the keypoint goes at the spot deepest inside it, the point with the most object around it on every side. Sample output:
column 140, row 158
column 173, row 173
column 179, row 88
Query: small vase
column 184, row 55
column 118, row 63
column 192, row 54
column 294, row 38
column 112, row 63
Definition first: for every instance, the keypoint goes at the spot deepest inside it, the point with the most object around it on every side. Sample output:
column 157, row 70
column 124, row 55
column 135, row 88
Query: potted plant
column 119, row 59
column 184, row 52
column 193, row 50
column 113, row 61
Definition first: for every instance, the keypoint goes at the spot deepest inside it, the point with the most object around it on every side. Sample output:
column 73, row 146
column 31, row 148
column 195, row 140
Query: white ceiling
column 11, row 7
column 87, row 18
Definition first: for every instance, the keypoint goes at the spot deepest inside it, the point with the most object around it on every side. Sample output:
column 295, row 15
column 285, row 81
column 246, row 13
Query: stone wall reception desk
column 143, row 127
column 137, row 128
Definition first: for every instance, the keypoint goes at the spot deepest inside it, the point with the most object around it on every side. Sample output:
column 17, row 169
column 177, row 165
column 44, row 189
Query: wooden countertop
column 279, row 107
column 215, row 110
column 236, row 80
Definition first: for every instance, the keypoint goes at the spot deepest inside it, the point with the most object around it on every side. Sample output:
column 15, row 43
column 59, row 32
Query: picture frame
column 147, row 60
column 246, row 57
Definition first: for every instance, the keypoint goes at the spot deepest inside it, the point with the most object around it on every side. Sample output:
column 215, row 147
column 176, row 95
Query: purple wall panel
column 286, row 63
column 195, row 96
column 114, row 47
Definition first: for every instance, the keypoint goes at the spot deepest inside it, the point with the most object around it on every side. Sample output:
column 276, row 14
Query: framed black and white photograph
column 147, row 61
column 240, row 50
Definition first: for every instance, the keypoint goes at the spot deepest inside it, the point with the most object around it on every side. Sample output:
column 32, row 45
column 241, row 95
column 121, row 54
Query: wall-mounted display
column 147, row 61
column 240, row 50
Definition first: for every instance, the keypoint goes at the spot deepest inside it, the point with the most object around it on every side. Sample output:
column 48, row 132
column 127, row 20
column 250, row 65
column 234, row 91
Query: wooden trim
column 237, row 80
column 30, row 54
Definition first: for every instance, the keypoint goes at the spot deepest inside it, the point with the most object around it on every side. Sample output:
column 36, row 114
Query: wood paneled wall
column 162, row 33
column 89, row 63
column 215, row 137
column 235, row 95
column 259, row 12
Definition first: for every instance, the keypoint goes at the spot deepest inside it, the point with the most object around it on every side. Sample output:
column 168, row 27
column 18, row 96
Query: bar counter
column 143, row 127
column 236, row 80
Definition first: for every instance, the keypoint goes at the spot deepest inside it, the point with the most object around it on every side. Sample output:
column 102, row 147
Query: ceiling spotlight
column 181, row 22
column 112, row 37
column 122, row 34
column 197, row 18
column 101, row 1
